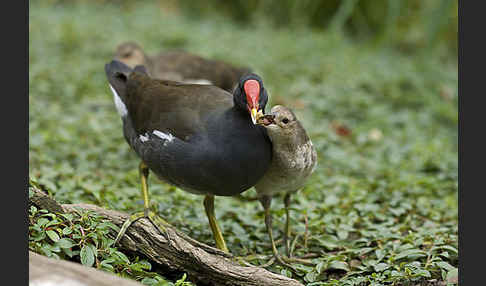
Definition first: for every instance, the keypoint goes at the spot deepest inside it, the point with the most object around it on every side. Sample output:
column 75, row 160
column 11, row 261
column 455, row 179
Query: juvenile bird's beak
column 256, row 115
column 266, row 120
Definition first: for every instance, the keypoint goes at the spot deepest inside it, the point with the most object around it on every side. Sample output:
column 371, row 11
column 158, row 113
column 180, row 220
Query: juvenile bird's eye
column 285, row 120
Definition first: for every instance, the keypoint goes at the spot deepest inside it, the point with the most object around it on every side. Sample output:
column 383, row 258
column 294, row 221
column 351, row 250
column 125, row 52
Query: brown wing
column 184, row 66
column 168, row 106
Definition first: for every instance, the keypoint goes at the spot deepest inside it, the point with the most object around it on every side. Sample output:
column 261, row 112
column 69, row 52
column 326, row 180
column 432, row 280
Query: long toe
column 159, row 223
column 281, row 260
column 272, row 259
column 277, row 258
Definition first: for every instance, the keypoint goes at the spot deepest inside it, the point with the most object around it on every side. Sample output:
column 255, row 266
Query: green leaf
column 410, row 253
column 46, row 250
column 444, row 254
column 65, row 243
column 69, row 252
column 340, row 265
column 54, row 248
column 286, row 273
column 311, row 276
column 140, row 266
column 342, row 234
column 67, row 230
column 448, row 247
column 331, row 200
column 381, row 267
column 149, row 281
column 87, row 255
column 107, row 265
column 364, row 250
column 380, row 253
column 182, row 280
column 423, row 273
column 40, row 236
column 53, row 235
column 395, row 273
column 146, row 264
column 320, row 266
column 68, row 216
column 42, row 221
column 52, row 222
column 48, row 214
column 328, row 241
column 445, row 265
column 453, row 276
column 122, row 256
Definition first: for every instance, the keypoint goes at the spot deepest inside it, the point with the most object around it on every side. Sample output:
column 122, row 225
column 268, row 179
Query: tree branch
column 176, row 251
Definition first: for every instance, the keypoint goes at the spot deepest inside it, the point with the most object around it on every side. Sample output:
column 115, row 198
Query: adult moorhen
column 294, row 159
column 196, row 137
column 182, row 66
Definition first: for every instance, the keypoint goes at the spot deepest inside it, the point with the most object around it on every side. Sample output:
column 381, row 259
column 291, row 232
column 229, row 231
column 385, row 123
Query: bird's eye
column 285, row 120
column 127, row 54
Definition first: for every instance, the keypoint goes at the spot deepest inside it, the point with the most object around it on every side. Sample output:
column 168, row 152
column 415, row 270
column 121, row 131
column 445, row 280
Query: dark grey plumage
column 192, row 136
column 199, row 138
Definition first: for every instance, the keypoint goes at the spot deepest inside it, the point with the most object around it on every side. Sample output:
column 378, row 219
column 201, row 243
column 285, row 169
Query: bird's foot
column 159, row 223
column 245, row 260
column 276, row 258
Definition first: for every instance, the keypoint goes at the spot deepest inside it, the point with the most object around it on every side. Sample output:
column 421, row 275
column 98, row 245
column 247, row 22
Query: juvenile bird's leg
column 218, row 236
column 157, row 221
column 266, row 202
column 287, row 224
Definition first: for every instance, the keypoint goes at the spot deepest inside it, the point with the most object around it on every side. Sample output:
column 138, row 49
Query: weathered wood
column 43, row 201
column 178, row 252
column 45, row 271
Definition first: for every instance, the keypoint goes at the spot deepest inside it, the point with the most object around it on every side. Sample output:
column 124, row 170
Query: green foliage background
column 381, row 207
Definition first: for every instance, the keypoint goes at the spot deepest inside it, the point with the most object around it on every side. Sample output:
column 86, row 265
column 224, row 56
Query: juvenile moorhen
column 293, row 161
column 199, row 138
column 181, row 66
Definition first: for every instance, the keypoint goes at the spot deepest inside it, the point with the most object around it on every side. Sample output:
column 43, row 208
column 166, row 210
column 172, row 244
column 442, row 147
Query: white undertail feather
column 163, row 135
column 120, row 106
column 144, row 138
column 122, row 110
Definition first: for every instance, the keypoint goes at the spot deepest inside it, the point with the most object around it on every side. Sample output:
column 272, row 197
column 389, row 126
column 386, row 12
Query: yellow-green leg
column 218, row 236
column 157, row 221
column 266, row 202
column 287, row 224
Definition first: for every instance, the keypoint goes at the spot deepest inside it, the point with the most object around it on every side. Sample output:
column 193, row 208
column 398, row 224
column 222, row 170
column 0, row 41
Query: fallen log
column 176, row 251
column 51, row 271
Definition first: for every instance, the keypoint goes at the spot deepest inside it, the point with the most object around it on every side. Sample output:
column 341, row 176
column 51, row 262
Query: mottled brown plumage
column 181, row 66
column 293, row 161
column 294, row 156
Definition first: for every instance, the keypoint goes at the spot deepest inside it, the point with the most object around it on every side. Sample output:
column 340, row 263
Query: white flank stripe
column 120, row 106
column 164, row 136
